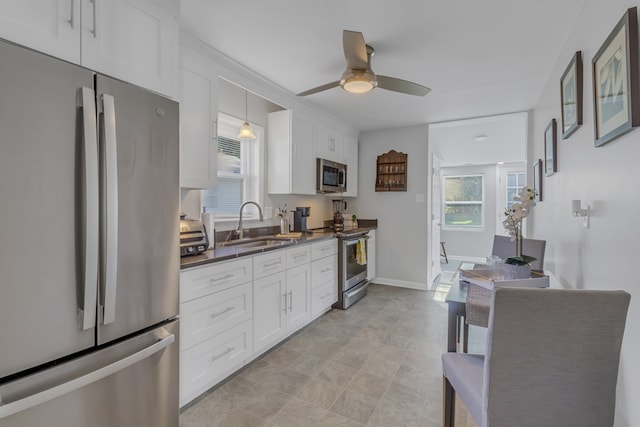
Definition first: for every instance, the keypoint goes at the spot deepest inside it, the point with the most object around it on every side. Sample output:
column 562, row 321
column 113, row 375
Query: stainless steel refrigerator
column 89, row 259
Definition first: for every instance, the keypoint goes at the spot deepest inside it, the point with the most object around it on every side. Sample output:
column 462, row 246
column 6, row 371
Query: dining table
column 453, row 291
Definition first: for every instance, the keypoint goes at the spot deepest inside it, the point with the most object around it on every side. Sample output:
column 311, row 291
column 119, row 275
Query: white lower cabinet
column 205, row 364
column 216, row 330
column 205, row 317
column 324, row 276
column 323, row 297
column 282, row 305
column 233, row 311
column 298, row 297
column 269, row 310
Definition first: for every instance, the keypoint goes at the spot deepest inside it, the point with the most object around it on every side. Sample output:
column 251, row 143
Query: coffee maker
column 300, row 218
column 339, row 206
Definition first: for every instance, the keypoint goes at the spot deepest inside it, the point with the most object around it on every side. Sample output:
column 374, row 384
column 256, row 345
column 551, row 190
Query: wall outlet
column 420, row 198
column 268, row 211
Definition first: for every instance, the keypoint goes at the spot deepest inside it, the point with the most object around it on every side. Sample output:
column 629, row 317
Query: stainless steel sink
column 259, row 242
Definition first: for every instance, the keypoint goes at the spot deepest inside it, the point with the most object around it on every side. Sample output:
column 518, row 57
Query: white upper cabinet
column 351, row 159
column 329, row 144
column 291, row 162
column 198, row 131
column 133, row 40
column 46, row 25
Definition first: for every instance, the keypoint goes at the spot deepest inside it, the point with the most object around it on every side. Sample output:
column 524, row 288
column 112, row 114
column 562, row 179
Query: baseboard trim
column 401, row 283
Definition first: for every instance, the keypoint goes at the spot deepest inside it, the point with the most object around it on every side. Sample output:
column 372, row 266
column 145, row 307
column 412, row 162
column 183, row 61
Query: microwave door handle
column 110, row 186
column 342, row 178
column 91, row 208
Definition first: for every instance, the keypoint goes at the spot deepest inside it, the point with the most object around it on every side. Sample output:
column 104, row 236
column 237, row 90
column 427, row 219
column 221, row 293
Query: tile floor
column 376, row 364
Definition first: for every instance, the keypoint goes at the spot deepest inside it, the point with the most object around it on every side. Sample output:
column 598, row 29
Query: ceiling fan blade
column 402, row 86
column 355, row 50
column 320, row 88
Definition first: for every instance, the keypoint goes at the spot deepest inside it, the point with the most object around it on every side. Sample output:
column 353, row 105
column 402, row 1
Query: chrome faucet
column 240, row 229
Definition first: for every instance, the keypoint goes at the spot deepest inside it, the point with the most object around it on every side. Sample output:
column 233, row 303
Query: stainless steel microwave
column 331, row 177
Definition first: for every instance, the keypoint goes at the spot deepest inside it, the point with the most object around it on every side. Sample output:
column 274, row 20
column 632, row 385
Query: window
column 238, row 178
column 463, row 202
column 515, row 182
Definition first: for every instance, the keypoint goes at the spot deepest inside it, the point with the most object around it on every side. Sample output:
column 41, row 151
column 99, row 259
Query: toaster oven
column 193, row 237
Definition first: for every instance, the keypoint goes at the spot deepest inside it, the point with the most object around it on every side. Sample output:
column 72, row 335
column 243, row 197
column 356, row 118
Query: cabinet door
column 133, row 40
column 351, row 159
column 291, row 161
column 50, row 26
column 303, row 165
column 207, row 363
column 269, row 310
column 198, row 143
column 298, row 297
column 329, row 144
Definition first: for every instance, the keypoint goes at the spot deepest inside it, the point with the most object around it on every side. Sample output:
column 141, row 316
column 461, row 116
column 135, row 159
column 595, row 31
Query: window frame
column 482, row 203
column 251, row 170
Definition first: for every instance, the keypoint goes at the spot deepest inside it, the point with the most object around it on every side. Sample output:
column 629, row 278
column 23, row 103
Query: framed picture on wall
column 571, row 96
column 615, row 81
column 537, row 179
column 550, row 148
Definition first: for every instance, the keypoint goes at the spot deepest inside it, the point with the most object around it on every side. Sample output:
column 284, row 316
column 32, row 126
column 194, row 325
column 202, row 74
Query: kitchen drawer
column 200, row 281
column 324, row 270
column 299, row 255
column 324, row 248
column 203, row 318
column 323, row 296
column 269, row 263
column 205, row 364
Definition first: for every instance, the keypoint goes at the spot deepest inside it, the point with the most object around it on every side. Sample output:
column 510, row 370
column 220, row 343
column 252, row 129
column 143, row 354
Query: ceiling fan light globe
column 358, row 86
column 358, row 82
column 246, row 133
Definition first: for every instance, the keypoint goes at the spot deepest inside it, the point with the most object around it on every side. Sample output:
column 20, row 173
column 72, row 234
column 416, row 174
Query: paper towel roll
column 208, row 219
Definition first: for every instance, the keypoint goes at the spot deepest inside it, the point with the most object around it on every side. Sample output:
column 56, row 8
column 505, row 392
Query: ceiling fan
column 359, row 77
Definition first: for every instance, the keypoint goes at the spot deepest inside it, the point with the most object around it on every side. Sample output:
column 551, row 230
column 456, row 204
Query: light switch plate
column 268, row 211
column 420, row 198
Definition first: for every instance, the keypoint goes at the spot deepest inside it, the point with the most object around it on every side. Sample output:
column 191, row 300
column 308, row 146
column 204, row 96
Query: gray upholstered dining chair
column 477, row 305
column 504, row 247
column 552, row 360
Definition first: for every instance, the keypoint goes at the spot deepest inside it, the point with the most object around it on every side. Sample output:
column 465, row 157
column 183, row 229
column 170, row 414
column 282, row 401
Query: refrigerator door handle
column 110, row 190
column 91, row 207
column 77, row 383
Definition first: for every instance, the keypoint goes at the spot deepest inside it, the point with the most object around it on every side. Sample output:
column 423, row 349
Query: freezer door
column 43, row 205
column 140, row 259
column 133, row 383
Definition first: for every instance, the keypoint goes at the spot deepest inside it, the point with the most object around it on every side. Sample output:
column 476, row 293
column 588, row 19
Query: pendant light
column 246, row 133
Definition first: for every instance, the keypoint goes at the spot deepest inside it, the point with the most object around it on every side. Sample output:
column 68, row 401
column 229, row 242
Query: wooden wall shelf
column 391, row 172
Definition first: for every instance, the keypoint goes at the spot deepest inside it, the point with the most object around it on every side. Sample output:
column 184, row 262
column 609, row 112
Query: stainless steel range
column 352, row 268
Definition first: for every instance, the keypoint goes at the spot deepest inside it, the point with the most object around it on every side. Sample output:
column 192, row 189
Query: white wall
column 605, row 255
column 401, row 238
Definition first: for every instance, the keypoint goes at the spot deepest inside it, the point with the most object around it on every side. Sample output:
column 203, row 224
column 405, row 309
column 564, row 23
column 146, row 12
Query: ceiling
column 480, row 58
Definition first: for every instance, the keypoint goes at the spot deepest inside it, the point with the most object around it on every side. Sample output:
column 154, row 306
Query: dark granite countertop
column 224, row 253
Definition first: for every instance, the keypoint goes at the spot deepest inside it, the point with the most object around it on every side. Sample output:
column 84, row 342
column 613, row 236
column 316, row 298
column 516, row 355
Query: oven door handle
column 357, row 291
column 355, row 241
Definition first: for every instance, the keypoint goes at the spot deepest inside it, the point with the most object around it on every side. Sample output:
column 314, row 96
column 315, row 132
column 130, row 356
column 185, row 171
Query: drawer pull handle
column 224, row 353
column 272, row 264
column 290, row 300
column 325, row 270
column 226, row 310
column 218, row 279
column 304, row 255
